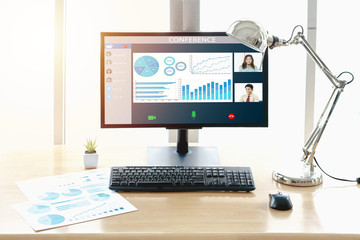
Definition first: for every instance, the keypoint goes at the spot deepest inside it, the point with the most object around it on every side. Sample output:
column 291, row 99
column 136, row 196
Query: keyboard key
column 154, row 184
column 198, row 183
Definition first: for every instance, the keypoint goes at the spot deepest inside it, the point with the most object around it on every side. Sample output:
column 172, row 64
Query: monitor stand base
column 196, row 156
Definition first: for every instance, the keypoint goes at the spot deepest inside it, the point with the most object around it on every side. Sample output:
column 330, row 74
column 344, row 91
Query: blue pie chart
column 51, row 219
column 146, row 66
column 39, row 209
column 100, row 197
column 71, row 192
column 48, row 196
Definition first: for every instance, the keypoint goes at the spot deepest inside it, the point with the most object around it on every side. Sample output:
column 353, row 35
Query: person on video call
column 248, row 64
column 249, row 96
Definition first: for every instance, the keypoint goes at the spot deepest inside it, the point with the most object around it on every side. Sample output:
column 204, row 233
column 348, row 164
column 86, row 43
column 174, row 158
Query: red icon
column 231, row 116
column 125, row 46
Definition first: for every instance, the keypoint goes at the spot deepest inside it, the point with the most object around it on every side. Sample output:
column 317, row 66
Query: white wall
column 337, row 46
column 26, row 73
column 85, row 21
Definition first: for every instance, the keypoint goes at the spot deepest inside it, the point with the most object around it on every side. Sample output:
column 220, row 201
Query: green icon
column 151, row 117
column 193, row 115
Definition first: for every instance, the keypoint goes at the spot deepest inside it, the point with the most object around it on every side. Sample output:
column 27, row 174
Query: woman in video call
column 248, row 64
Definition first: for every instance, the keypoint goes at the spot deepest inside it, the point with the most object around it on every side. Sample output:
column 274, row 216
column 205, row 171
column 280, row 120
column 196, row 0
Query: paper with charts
column 70, row 198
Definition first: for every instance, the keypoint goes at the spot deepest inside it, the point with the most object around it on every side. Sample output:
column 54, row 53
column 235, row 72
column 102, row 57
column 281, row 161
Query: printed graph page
column 70, row 198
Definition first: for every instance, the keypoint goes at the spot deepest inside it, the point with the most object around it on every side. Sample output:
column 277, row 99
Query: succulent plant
column 90, row 145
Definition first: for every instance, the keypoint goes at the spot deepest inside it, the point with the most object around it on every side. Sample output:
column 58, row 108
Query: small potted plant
column 90, row 157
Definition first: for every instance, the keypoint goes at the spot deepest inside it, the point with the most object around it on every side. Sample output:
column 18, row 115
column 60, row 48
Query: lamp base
column 299, row 177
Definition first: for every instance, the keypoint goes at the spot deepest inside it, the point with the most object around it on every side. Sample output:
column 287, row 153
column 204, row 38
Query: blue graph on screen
column 183, row 77
column 157, row 90
column 204, row 64
column 146, row 66
column 208, row 91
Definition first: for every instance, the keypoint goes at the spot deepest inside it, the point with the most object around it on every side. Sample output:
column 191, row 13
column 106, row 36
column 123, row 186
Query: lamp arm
column 300, row 38
column 315, row 132
column 312, row 142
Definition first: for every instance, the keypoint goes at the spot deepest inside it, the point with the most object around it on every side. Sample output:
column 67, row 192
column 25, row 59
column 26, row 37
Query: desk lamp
column 256, row 37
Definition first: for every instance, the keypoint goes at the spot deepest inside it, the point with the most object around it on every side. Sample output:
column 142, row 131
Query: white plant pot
column 91, row 160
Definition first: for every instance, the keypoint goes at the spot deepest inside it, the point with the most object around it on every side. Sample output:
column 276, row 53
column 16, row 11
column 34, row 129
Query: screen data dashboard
column 181, row 80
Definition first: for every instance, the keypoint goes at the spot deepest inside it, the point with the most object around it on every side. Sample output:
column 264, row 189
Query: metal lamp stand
column 307, row 174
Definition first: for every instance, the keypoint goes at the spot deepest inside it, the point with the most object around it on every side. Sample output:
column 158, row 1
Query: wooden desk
column 330, row 211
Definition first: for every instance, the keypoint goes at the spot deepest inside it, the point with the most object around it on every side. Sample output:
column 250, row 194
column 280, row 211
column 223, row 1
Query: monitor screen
column 181, row 80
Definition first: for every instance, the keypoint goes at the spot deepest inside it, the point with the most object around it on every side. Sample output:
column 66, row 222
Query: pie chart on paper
column 100, row 197
column 51, row 219
column 71, row 192
column 48, row 196
column 146, row 66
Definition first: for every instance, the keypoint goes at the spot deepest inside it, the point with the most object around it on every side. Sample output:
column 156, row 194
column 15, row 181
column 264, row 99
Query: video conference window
column 248, row 92
column 155, row 80
column 248, row 62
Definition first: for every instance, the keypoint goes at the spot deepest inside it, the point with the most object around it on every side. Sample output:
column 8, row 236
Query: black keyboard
column 179, row 178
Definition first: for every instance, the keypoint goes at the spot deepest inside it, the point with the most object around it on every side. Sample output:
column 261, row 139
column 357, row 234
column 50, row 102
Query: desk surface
column 331, row 209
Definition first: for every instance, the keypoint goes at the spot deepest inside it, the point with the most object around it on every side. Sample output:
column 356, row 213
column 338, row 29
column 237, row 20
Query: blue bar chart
column 211, row 91
column 156, row 90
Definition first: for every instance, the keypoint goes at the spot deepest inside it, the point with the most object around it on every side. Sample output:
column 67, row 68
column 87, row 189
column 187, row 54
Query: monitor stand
column 182, row 154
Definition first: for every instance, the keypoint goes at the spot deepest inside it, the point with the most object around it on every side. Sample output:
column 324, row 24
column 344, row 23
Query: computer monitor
column 181, row 80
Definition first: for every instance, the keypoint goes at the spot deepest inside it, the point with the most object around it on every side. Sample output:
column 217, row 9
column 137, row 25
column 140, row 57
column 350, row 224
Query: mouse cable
column 340, row 179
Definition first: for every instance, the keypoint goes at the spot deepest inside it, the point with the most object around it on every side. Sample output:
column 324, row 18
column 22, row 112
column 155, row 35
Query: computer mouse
column 280, row 201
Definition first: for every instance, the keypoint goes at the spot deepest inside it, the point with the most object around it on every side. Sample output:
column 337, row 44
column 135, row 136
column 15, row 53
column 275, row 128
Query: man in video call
column 249, row 96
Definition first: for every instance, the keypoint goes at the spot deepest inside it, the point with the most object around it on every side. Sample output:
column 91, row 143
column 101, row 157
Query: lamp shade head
column 250, row 34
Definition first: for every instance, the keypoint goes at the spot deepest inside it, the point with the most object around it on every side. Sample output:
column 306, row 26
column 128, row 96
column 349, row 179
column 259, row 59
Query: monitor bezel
column 174, row 126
